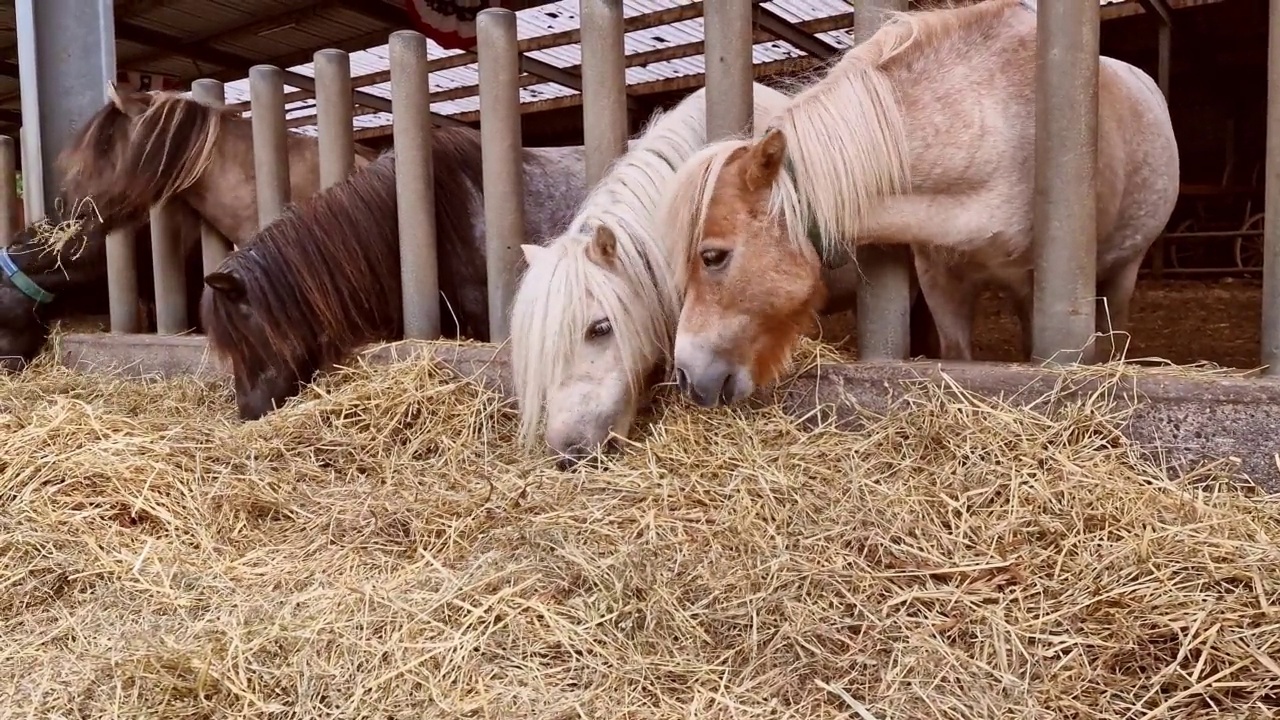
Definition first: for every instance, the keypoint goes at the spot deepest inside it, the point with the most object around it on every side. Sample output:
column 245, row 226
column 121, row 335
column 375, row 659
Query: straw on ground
column 382, row 548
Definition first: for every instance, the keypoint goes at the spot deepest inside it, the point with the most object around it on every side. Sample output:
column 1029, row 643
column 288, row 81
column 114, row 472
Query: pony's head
column 139, row 150
column 317, row 282
column 752, row 284
column 265, row 372
column 90, row 164
column 589, row 327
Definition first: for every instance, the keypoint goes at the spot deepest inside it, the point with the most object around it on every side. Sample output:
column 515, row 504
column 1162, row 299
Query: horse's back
column 1138, row 163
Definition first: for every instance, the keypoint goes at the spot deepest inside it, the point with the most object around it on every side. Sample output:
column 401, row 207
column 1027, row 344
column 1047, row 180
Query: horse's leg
column 951, row 297
column 1115, row 295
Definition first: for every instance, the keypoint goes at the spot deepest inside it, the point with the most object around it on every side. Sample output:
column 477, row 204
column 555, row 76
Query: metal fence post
column 1066, row 158
column 270, row 148
column 214, row 246
column 333, row 116
column 604, row 85
column 499, row 60
column 415, row 185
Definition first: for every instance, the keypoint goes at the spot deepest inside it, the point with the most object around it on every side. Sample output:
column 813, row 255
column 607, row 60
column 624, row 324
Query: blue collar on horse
column 21, row 281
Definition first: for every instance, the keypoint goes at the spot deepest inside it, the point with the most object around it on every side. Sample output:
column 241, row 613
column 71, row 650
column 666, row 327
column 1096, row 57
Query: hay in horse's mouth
column 381, row 545
column 54, row 237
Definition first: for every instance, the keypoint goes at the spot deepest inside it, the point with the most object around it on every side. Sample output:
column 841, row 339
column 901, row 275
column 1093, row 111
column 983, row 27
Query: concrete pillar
column 66, row 57
column 122, row 280
column 884, row 296
column 168, row 270
column 499, row 60
column 1066, row 158
column 333, row 116
column 1271, row 228
column 604, row 85
column 8, row 190
column 729, row 75
column 415, row 185
column 270, row 154
column 214, row 246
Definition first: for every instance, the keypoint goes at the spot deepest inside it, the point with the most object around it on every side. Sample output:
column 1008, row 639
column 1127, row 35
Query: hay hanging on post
column 380, row 547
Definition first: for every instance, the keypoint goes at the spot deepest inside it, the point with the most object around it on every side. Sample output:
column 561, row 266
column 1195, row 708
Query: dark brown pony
column 324, row 278
column 52, row 283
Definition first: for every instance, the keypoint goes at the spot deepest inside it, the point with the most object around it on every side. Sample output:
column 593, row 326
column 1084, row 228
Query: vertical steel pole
column 167, row 269
column 499, row 60
column 333, row 116
column 1066, row 158
column 884, row 296
column 415, row 185
column 1271, row 228
column 604, row 85
column 214, row 246
column 270, row 153
column 122, row 279
column 8, row 191
column 729, row 72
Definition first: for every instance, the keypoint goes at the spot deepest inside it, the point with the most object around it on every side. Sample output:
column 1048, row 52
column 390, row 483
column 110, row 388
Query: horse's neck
column 225, row 195
column 555, row 187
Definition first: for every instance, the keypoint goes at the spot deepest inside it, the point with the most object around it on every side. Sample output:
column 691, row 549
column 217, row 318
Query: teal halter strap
column 21, row 281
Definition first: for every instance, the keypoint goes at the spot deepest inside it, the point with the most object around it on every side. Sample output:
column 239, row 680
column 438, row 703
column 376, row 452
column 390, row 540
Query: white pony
column 594, row 316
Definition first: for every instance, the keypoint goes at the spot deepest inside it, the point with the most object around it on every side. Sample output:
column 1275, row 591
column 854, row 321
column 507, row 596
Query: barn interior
column 1199, row 298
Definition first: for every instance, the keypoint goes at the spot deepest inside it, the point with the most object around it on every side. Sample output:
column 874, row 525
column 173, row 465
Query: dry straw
column 381, row 549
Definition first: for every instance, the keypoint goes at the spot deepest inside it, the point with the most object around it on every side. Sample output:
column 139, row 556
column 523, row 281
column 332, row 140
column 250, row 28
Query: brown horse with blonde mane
column 324, row 278
column 140, row 150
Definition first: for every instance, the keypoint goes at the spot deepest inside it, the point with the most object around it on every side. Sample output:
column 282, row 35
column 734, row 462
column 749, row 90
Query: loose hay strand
column 381, row 547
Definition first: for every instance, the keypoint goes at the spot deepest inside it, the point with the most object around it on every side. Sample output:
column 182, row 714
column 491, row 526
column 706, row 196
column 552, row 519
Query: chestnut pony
column 870, row 154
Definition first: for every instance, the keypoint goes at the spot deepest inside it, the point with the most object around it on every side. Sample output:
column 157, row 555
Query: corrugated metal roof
column 562, row 16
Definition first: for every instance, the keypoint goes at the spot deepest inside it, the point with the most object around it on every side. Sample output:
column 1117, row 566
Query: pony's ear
column 603, row 249
column 130, row 103
column 227, row 284
column 532, row 252
column 764, row 160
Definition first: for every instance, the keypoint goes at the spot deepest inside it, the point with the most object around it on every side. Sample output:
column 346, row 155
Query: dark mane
column 324, row 278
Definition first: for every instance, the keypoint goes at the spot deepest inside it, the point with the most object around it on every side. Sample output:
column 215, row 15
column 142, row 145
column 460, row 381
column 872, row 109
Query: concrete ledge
column 1190, row 420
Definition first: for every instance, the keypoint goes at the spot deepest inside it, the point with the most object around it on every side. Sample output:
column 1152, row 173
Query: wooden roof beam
column 232, row 61
column 783, row 29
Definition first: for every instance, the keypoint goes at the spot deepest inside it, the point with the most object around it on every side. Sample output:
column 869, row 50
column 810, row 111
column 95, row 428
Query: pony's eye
column 599, row 329
column 713, row 259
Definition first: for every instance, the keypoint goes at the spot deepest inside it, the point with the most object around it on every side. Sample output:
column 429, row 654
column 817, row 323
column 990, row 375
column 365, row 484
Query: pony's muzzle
column 709, row 384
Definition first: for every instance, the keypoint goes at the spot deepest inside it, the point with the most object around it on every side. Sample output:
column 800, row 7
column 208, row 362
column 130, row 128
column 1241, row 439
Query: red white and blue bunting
column 450, row 23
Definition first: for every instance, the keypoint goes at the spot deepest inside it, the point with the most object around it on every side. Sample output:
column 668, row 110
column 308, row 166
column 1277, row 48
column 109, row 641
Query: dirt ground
column 1182, row 321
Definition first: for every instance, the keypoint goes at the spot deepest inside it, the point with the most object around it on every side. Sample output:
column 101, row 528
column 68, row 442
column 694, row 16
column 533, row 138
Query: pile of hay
column 382, row 549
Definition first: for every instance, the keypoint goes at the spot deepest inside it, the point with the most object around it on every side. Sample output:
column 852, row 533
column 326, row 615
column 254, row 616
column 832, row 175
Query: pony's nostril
column 682, row 380
column 726, row 390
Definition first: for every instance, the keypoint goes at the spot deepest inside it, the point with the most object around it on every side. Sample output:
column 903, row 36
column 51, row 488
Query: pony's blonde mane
column 846, row 141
